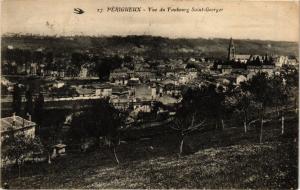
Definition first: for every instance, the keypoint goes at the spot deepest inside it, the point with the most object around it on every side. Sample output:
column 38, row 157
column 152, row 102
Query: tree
column 280, row 97
column 185, row 124
column 17, row 99
column 39, row 109
column 29, row 103
column 193, row 113
column 102, row 120
column 261, row 89
column 290, row 76
column 243, row 103
column 17, row 147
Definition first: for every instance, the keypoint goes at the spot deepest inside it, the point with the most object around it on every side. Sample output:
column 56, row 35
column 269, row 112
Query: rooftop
column 20, row 122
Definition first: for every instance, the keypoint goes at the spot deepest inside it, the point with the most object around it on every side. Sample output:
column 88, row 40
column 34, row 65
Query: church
column 242, row 58
column 245, row 58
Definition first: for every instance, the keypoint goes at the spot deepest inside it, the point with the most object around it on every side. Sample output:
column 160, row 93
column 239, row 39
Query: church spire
column 231, row 50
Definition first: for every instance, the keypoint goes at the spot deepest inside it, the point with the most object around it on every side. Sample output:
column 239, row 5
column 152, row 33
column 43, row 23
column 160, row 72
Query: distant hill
column 150, row 46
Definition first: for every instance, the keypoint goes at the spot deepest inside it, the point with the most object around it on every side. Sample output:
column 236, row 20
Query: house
column 183, row 78
column 134, row 81
column 83, row 72
column 120, row 90
column 145, row 92
column 121, row 102
column 270, row 69
column 144, row 73
column 171, row 89
column 61, row 73
column 83, row 90
column 21, row 68
column 292, row 60
column 119, row 73
column 168, row 100
column 225, row 69
column 120, row 76
column 120, row 80
column 58, row 150
column 41, row 70
column 280, row 60
column 17, row 125
column 58, row 84
column 170, row 80
column 240, row 78
column 33, row 68
column 103, row 90
column 242, row 58
column 142, row 106
column 192, row 73
column 252, row 70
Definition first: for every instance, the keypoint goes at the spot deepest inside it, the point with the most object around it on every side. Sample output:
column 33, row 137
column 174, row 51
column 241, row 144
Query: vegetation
column 18, row 147
column 147, row 45
column 17, row 99
column 241, row 160
column 222, row 159
column 102, row 120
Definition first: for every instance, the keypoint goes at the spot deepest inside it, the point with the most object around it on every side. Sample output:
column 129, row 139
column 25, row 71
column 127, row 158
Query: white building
column 17, row 125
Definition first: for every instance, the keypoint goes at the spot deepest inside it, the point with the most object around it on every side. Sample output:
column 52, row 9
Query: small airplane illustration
column 78, row 11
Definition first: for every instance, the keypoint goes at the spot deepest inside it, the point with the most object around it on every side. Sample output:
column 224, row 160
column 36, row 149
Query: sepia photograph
column 140, row 94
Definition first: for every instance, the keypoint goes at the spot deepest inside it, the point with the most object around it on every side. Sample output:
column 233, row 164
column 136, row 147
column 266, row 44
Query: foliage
column 17, row 147
column 261, row 89
column 101, row 120
column 17, row 101
column 39, row 109
column 28, row 104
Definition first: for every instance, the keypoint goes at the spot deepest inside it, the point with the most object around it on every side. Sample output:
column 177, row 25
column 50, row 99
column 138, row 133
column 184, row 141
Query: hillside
column 226, row 158
column 150, row 46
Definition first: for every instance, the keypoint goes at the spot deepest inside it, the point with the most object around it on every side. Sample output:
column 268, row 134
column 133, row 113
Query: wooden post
column 282, row 124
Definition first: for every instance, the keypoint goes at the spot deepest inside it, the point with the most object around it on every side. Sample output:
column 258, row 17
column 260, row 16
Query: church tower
column 231, row 51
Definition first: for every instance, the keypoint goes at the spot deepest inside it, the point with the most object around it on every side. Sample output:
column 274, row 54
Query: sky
column 240, row 19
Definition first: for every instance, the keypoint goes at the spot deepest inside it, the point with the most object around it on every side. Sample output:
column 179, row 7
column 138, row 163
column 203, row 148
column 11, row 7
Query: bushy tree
column 39, row 109
column 17, row 147
column 261, row 89
column 102, row 120
column 199, row 107
column 280, row 97
column 243, row 102
column 28, row 109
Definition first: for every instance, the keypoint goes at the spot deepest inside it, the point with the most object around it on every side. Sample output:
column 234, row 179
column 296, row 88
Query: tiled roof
column 7, row 123
column 241, row 56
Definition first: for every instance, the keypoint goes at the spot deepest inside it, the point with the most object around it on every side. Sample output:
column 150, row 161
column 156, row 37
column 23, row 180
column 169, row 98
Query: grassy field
column 225, row 158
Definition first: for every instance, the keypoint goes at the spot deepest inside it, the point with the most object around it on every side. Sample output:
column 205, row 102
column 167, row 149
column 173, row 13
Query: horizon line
column 8, row 34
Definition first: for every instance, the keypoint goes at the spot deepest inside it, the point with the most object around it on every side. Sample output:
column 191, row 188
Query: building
column 17, row 125
column 241, row 58
column 83, row 72
column 103, row 90
column 225, row 69
column 240, row 79
column 231, row 50
column 33, row 68
column 58, row 84
column 145, row 92
column 280, row 61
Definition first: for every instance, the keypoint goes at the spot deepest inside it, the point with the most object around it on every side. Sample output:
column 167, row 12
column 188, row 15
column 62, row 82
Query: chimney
column 29, row 116
column 14, row 119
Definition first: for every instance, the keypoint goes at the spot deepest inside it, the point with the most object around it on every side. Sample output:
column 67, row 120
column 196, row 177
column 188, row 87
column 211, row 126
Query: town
column 70, row 102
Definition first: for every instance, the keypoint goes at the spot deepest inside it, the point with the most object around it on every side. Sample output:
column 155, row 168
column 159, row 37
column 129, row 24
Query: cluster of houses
column 248, row 65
